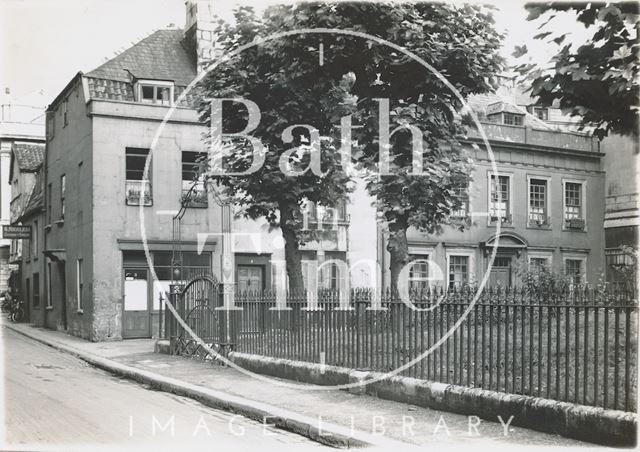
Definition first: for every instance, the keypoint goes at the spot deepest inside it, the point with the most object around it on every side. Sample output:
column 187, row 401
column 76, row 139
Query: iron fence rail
column 577, row 346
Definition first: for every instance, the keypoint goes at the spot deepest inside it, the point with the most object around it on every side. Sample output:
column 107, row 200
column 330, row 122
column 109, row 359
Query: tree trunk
column 291, row 248
column 398, row 248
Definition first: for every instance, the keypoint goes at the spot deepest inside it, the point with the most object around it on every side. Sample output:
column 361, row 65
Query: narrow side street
column 52, row 398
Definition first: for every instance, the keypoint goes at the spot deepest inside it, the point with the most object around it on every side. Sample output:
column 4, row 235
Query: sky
column 44, row 43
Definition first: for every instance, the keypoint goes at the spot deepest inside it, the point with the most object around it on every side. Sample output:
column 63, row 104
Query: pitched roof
column 159, row 56
column 29, row 156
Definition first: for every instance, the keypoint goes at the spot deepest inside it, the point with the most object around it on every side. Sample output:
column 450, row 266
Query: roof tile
column 29, row 156
column 159, row 56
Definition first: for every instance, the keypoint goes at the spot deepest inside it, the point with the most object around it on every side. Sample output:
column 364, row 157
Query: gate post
column 170, row 323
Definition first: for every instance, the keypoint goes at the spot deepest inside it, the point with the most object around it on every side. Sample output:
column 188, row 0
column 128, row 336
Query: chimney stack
column 198, row 31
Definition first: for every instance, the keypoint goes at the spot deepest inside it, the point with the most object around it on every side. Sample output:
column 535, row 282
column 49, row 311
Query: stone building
column 622, row 216
column 21, row 124
column 101, row 205
column 550, row 211
column 100, row 200
column 32, row 261
column 111, row 185
column 26, row 203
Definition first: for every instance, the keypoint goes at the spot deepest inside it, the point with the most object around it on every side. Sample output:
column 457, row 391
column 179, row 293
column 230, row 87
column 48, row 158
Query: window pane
column 573, row 270
column 538, row 263
column 499, row 207
column 458, row 271
column 461, row 189
column 147, row 93
column 192, row 163
column 135, row 162
column 538, row 200
column 419, row 272
column 162, row 95
column 573, row 200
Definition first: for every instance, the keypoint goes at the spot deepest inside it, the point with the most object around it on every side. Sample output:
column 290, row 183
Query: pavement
column 333, row 417
column 55, row 401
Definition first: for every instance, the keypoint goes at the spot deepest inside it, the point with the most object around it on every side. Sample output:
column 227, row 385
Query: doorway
column 250, row 278
column 135, row 316
column 500, row 275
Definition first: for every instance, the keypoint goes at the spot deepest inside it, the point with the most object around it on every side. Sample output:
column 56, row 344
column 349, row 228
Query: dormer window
column 512, row 119
column 154, row 92
column 541, row 113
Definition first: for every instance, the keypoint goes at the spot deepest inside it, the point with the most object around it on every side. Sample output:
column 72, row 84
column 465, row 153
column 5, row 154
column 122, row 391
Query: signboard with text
column 16, row 232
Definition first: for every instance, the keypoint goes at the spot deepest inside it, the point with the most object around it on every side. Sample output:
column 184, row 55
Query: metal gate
column 196, row 303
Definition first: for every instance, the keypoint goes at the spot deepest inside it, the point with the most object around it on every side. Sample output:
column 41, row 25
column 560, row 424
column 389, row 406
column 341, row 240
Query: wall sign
column 16, row 232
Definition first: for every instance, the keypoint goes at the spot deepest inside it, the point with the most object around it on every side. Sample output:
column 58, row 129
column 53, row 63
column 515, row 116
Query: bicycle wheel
column 17, row 315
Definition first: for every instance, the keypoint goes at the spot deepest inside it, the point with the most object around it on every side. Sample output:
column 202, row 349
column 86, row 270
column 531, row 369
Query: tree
column 283, row 77
column 598, row 80
column 461, row 43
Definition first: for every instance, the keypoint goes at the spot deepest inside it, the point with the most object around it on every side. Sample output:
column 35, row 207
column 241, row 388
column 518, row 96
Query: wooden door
column 136, row 304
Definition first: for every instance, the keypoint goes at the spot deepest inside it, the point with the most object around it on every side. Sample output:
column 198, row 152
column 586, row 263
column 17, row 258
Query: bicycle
column 17, row 312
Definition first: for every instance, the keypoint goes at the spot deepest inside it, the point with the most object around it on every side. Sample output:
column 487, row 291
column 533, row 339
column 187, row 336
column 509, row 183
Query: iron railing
column 575, row 345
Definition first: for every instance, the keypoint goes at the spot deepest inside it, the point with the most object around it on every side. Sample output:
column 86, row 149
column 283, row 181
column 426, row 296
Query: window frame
column 65, row 112
column 583, row 265
column 202, row 199
column 138, row 152
column 471, row 265
column 509, row 201
column 583, row 206
column 467, row 203
column 543, row 110
column 63, row 190
column 547, row 214
column 548, row 256
column 155, row 84
column 419, row 256
column 515, row 117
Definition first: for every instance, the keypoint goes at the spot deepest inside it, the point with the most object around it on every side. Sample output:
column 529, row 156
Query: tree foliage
column 284, row 77
column 598, row 80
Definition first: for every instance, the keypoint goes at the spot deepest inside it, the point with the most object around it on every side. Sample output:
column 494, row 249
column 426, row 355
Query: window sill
column 79, row 311
column 47, row 227
column 544, row 227
column 49, row 308
column 137, row 204
column 565, row 229
column 60, row 222
column 502, row 225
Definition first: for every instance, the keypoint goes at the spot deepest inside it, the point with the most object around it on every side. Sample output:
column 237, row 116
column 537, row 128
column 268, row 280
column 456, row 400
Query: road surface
column 54, row 401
